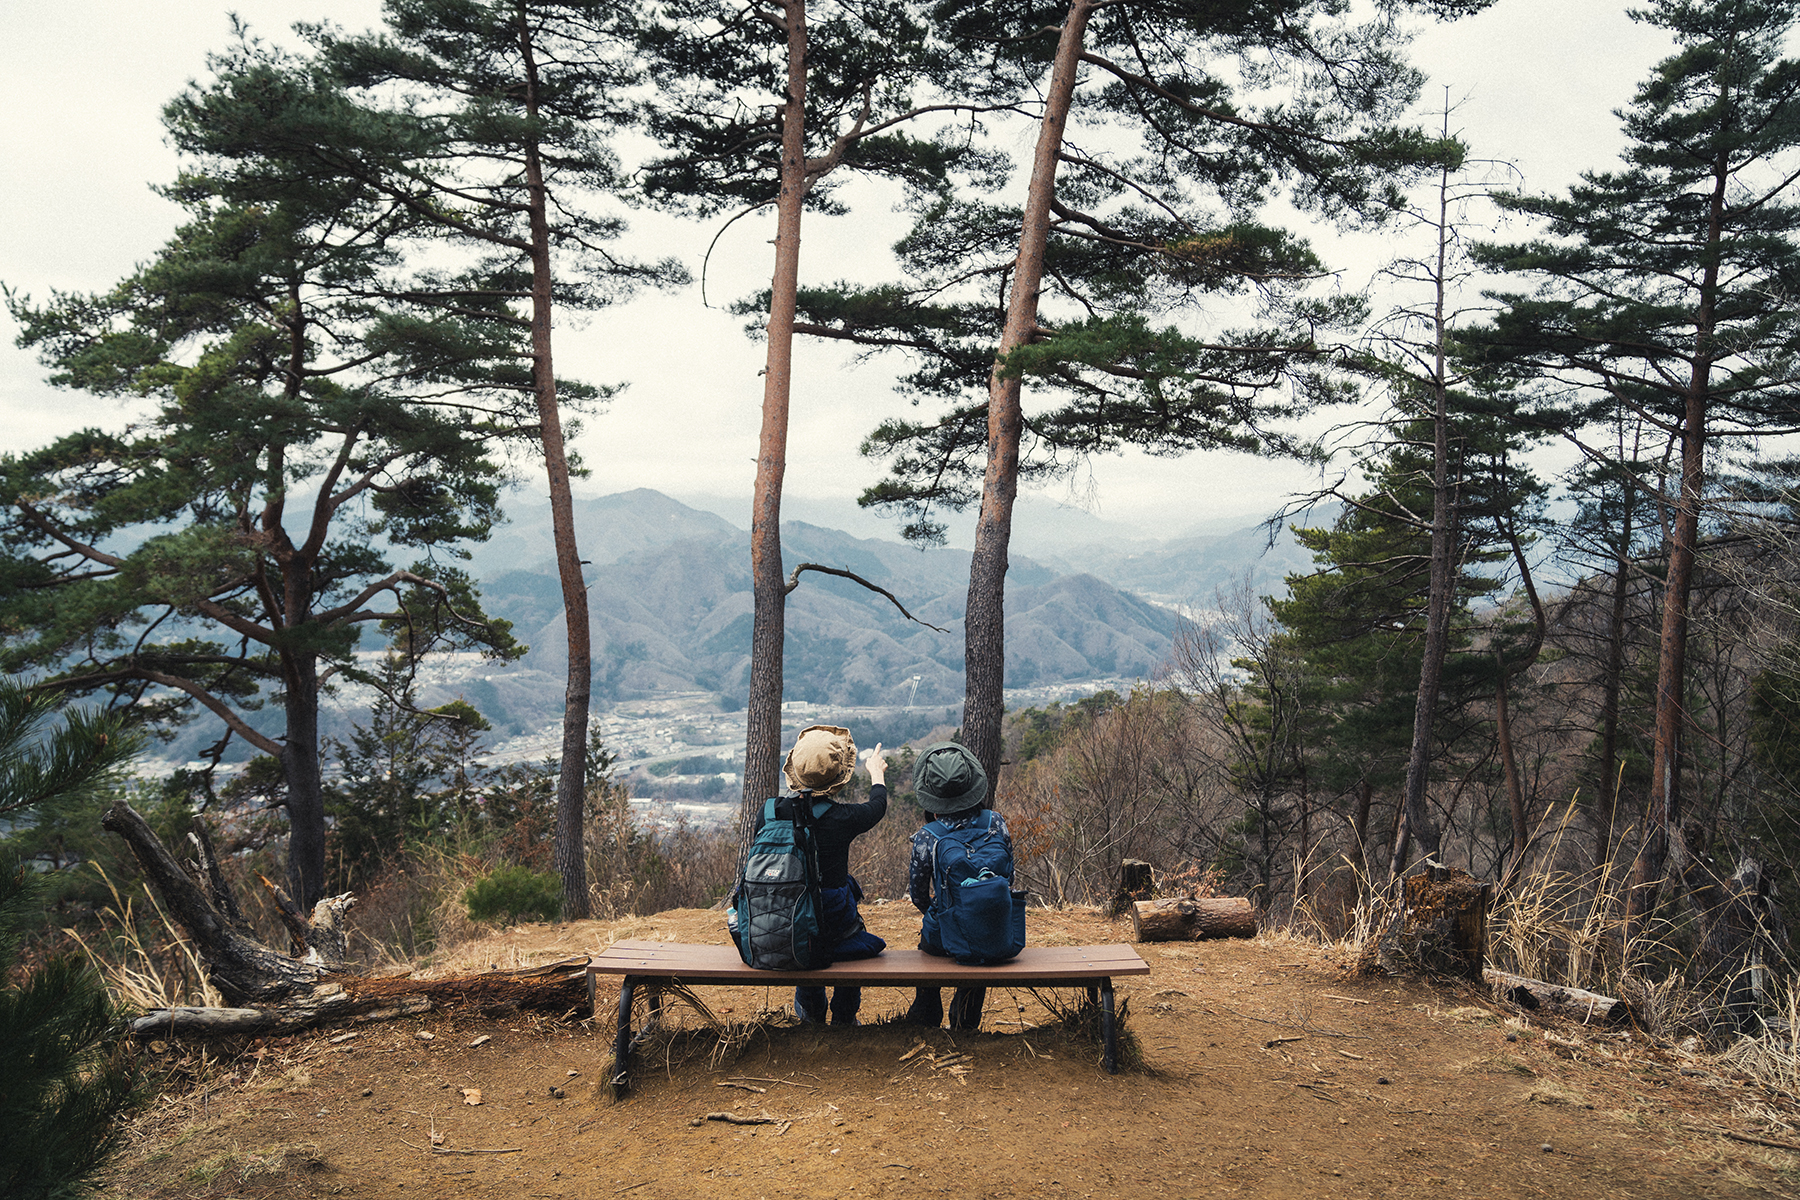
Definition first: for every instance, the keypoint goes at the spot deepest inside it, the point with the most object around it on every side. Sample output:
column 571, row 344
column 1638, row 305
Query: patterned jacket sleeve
column 918, row 871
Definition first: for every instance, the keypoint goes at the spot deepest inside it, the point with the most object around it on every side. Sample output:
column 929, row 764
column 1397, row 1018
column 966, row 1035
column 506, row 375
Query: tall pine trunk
column 984, row 628
column 1612, row 686
column 571, row 780
column 1662, row 821
column 305, row 782
column 762, row 716
column 1419, row 826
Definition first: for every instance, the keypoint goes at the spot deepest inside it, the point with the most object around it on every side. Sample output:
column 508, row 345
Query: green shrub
column 68, row 1076
column 515, row 892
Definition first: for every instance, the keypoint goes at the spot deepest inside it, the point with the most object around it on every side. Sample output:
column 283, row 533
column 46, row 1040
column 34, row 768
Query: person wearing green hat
column 951, row 787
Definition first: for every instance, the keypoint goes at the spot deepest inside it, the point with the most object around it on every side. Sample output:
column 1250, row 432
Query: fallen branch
column 1750, row 1139
column 736, row 1119
column 368, row 1001
column 1534, row 995
column 759, row 1079
column 503, row 1150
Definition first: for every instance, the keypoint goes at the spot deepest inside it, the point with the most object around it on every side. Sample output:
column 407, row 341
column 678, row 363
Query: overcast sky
column 82, row 83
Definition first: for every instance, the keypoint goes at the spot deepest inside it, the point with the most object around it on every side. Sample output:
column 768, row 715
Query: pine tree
column 1666, row 286
column 1209, row 111
column 68, row 1081
column 306, row 408
column 770, row 105
column 499, row 140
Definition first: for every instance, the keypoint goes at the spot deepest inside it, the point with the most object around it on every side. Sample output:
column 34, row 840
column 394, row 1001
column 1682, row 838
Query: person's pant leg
column 965, row 1007
column 927, row 1007
column 845, row 1002
column 809, row 1003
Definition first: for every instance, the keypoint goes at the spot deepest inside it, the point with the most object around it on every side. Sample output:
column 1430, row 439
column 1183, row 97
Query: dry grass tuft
column 161, row 972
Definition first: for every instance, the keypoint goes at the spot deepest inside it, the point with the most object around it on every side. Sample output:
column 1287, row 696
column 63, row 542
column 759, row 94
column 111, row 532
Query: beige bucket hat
column 822, row 760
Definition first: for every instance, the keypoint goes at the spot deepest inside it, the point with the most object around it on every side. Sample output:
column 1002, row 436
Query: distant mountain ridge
column 670, row 603
column 671, row 609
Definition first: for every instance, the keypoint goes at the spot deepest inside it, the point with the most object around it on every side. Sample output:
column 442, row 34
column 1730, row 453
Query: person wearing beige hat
column 820, row 764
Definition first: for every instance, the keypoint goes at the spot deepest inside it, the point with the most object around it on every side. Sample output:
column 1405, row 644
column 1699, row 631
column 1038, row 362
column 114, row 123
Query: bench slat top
column 1035, row 966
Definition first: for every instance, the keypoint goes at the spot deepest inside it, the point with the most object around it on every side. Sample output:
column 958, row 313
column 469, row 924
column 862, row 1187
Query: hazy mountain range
column 670, row 611
column 670, row 603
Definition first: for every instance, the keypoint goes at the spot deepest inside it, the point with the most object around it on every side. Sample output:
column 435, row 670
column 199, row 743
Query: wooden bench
column 653, row 964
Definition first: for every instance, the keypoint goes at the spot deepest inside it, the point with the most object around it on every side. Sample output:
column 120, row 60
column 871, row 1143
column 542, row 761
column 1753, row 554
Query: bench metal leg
column 1108, row 1032
column 621, row 1079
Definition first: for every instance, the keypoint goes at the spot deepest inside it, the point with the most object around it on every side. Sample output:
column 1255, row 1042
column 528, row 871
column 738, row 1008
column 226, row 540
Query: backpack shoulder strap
column 937, row 829
column 821, row 808
column 769, row 808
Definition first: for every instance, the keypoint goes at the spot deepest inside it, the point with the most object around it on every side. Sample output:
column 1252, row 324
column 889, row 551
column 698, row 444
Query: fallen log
column 552, row 987
column 1534, row 995
column 1184, row 920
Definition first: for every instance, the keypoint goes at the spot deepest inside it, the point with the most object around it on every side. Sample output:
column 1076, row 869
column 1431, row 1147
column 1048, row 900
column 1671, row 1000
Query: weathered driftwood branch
column 1534, row 995
column 1192, row 920
column 242, row 968
column 323, row 938
column 217, row 890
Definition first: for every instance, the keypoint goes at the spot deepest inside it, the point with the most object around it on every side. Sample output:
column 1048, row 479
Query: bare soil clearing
column 1268, row 1071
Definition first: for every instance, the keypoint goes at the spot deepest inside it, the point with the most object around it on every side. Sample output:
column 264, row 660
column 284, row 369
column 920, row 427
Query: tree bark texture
column 305, row 779
column 1549, row 999
column 1440, row 928
column 762, row 710
column 984, row 623
column 1193, row 920
column 571, row 780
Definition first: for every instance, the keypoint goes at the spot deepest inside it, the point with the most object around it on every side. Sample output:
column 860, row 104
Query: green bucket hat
column 948, row 779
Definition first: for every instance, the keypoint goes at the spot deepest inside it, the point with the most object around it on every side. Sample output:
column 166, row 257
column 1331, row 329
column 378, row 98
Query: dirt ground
column 1267, row 1070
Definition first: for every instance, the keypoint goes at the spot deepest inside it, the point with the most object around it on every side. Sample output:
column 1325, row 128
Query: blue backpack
column 776, row 906
column 976, row 918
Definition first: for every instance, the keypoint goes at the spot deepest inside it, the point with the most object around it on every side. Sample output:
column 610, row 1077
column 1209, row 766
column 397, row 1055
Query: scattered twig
column 1745, row 1137
column 759, row 1079
column 1274, row 1042
column 1347, row 1054
column 1317, row 1089
column 1345, row 999
column 1314, row 1030
column 748, row 1087
column 502, row 1150
column 735, row 1119
column 632, row 1187
column 919, row 1047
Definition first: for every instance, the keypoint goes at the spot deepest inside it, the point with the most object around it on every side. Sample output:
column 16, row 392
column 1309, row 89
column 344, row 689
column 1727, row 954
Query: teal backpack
column 776, row 907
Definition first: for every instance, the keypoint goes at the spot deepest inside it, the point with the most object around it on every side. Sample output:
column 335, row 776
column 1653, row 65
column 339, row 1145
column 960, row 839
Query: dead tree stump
column 1136, row 882
column 1441, row 928
column 1193, row 920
